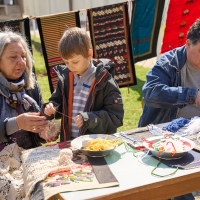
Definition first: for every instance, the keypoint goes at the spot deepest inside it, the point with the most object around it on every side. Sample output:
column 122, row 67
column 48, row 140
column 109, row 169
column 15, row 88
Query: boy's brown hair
column 75, row 41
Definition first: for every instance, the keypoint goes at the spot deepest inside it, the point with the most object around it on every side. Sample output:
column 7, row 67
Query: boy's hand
column 78, row 121
column 49, row 109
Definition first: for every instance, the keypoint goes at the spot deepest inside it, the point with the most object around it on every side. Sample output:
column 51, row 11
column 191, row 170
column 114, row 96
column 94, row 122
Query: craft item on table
column 198, row 138
column 175, row 32
column 145, row 27
column 176, row 124
column 131, row 141
column 11, row 181
column 190, row 160
column 133, row 137
column 168, row 147
column 155, row 130
column 192, row 127
column 51, row 29
column 37, row 163
column 137, row 130
column 84, row 173
column 53, row 128
column 21, row 170
column 110, row 35
column 194, row 138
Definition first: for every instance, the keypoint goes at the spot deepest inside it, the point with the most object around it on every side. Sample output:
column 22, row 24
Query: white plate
column 167, row 155
column 77, row 144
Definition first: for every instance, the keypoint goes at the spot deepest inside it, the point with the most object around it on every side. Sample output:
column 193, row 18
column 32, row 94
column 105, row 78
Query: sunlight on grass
column 38, row 56
column 132, row 100
column 44, row 86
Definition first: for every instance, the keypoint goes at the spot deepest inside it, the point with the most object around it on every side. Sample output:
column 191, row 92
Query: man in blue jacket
column 172, row 86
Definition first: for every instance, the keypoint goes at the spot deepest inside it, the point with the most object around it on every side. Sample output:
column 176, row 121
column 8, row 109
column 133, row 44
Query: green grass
column 132, row 100
column 38, row 57
column 131, row 96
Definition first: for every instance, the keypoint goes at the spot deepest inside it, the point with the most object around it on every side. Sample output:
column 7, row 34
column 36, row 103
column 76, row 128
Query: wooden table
column 136, row 181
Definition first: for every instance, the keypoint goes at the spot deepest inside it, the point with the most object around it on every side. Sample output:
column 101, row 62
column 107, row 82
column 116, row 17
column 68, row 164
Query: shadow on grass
column 138, row 88
column 37, row 46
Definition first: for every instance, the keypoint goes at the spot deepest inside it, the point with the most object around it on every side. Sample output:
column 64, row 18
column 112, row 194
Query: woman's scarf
column 17, row 96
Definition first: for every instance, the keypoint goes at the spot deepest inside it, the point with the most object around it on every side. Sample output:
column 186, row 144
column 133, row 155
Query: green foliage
column 132, row 95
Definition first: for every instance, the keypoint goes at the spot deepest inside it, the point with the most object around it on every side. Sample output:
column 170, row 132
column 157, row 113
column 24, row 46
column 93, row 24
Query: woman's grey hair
column 8, row 36
column 194, row 32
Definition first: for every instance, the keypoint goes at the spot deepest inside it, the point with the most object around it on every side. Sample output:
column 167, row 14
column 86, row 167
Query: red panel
column 181, row 15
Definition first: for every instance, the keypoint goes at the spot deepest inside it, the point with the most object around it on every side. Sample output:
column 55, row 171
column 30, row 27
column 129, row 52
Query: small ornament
column 54, row 128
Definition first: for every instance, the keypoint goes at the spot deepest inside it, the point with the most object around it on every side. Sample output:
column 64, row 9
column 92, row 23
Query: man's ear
column 90, row 53
column 188, row 43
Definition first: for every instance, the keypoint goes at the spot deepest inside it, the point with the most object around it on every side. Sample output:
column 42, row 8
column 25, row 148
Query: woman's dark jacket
column 25, row 139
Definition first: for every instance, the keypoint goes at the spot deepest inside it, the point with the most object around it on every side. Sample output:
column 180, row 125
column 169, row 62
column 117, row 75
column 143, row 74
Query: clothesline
column 56, row 14
column 79, row 10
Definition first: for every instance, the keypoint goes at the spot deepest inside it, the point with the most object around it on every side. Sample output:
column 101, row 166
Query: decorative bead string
column 127, row 137
column 155, row 130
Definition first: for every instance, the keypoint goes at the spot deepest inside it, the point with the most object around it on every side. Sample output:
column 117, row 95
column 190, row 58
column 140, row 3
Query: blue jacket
column 162, row 91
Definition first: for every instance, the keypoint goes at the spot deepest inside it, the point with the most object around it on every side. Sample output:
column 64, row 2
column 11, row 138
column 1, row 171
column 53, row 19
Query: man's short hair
column 75, row 41
column 194, row 32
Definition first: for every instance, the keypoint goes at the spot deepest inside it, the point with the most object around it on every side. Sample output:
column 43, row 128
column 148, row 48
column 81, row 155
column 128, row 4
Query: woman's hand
column 32, row 122
column 49, row 109
column 43, row 134
column 78, row 121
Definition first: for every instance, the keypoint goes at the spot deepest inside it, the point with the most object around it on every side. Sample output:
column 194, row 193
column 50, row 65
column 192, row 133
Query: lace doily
column 11, row 182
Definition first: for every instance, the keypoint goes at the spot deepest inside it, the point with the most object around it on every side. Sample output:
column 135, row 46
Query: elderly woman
column 20, row 96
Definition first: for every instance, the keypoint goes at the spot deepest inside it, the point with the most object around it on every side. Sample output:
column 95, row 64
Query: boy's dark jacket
column 103, row 112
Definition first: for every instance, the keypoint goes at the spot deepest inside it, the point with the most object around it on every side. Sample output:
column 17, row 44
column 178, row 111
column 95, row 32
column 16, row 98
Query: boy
column 87, row 98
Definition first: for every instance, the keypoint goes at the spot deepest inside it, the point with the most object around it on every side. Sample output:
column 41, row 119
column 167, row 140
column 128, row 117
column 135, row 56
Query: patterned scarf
column 17, row 96
column 13, row 95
